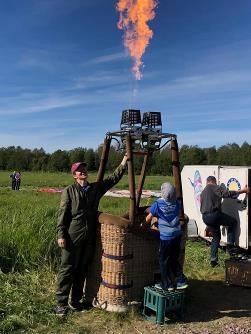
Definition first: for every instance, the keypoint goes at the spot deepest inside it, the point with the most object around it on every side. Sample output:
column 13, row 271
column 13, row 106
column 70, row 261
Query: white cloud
column 214, row 80
column 196, row 103
column 99, row 79
column 218, row 83
column 212, row 137
column 34, row 62
column 106, row 59
column 65, row 98
column 51, row 141
column 214, row 92
column 39, row 104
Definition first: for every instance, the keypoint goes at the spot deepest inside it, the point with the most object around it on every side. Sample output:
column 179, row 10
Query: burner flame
column 134, row 16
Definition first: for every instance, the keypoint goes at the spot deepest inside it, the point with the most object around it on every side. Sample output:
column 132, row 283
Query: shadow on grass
column 211, row 300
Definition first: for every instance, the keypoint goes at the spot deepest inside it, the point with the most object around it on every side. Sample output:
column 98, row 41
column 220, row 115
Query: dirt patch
column 211, row 308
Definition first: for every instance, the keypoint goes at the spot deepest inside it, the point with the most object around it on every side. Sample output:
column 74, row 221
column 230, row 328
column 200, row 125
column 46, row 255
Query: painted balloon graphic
column 197, row 186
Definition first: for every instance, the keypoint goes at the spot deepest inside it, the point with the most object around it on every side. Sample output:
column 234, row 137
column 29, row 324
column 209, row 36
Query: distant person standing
column 18, row 180
column 213, row 217
column 13, row 180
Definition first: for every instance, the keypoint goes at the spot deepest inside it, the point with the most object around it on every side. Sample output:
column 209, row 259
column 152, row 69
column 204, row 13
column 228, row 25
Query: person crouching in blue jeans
column 166, row 209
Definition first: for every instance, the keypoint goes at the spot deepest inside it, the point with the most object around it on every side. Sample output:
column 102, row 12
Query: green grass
column 61, row 180
column 29, row 256
column 28, row 217
column 27, row 299
column 197, row 264
column 27, row 302
column 27, row 229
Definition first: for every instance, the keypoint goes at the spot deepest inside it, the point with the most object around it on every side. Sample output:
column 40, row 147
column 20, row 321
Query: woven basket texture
column 126, row 260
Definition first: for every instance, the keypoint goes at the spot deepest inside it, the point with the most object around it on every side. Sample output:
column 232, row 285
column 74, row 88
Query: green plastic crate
column 161, row 302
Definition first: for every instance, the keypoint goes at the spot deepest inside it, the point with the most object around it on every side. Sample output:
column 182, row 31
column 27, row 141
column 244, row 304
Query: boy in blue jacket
column 166, row 210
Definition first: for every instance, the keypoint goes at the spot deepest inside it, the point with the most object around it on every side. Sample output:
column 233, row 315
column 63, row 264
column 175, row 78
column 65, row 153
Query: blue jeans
column 214, row 220
column 169, row 251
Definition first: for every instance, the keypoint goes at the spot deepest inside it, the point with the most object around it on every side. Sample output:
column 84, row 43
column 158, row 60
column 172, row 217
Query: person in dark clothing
column 13, row 180
column 18, row 180
column 76, row 233
column 213, row 217
column 166, row 209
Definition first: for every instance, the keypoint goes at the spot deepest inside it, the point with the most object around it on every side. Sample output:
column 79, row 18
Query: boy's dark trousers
column 168, row 260
column 75, row 260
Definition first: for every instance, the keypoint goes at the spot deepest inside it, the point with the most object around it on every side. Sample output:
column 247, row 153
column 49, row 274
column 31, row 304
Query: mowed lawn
column 29, row 257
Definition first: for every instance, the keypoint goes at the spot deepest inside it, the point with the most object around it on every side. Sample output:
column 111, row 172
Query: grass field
column 29, row 257
column 60, row 180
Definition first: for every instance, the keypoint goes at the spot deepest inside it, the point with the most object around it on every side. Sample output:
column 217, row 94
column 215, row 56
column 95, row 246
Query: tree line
column 23, row 159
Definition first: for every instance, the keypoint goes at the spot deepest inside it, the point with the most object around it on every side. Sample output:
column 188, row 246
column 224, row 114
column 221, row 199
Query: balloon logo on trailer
column 233, row 185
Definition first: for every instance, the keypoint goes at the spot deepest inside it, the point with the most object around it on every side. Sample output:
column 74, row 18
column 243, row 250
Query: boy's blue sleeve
column 153, row 209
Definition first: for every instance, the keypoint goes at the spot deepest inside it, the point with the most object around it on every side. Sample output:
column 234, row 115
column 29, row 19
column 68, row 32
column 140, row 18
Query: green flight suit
column 77, row 222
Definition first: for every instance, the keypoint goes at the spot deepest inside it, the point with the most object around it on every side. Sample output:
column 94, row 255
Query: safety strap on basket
column 117, row 287
column 117, row 257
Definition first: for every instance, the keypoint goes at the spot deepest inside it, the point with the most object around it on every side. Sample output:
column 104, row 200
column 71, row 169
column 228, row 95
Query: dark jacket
column 13, row 176
column 211, row 197
column 77, row 214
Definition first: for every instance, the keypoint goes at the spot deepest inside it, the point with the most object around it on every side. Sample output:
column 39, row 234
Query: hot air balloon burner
column 130, row 120
column 151, row 130
column 145, row 133
column 131, row 124
column 126, row 257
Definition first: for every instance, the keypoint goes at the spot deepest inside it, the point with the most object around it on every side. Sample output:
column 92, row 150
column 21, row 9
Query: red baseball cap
column 76, row 165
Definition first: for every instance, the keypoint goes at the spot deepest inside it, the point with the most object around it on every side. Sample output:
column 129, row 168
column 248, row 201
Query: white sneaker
column 158, row 286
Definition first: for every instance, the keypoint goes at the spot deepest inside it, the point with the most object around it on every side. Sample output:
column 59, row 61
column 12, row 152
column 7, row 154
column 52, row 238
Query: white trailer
column 234, row 177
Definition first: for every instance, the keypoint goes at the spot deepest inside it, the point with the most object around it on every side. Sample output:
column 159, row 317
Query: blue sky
column 65, row 76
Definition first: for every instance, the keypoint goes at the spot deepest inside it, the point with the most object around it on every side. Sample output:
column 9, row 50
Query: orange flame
column 134, row 16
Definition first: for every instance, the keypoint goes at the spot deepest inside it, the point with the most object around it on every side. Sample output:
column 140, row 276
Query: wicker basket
column 126, row 260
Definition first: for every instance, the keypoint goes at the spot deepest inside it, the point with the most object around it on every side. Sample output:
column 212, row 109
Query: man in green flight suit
column 76, row 233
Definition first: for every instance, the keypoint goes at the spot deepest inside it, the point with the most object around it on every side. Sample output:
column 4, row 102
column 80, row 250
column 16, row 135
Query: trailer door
column 235, row 178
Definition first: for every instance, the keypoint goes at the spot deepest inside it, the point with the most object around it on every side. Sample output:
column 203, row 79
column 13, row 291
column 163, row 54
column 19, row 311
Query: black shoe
column 76, row 306
column 214, row 264
column 61, row 310
column 80, row 306
column 87, row 305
